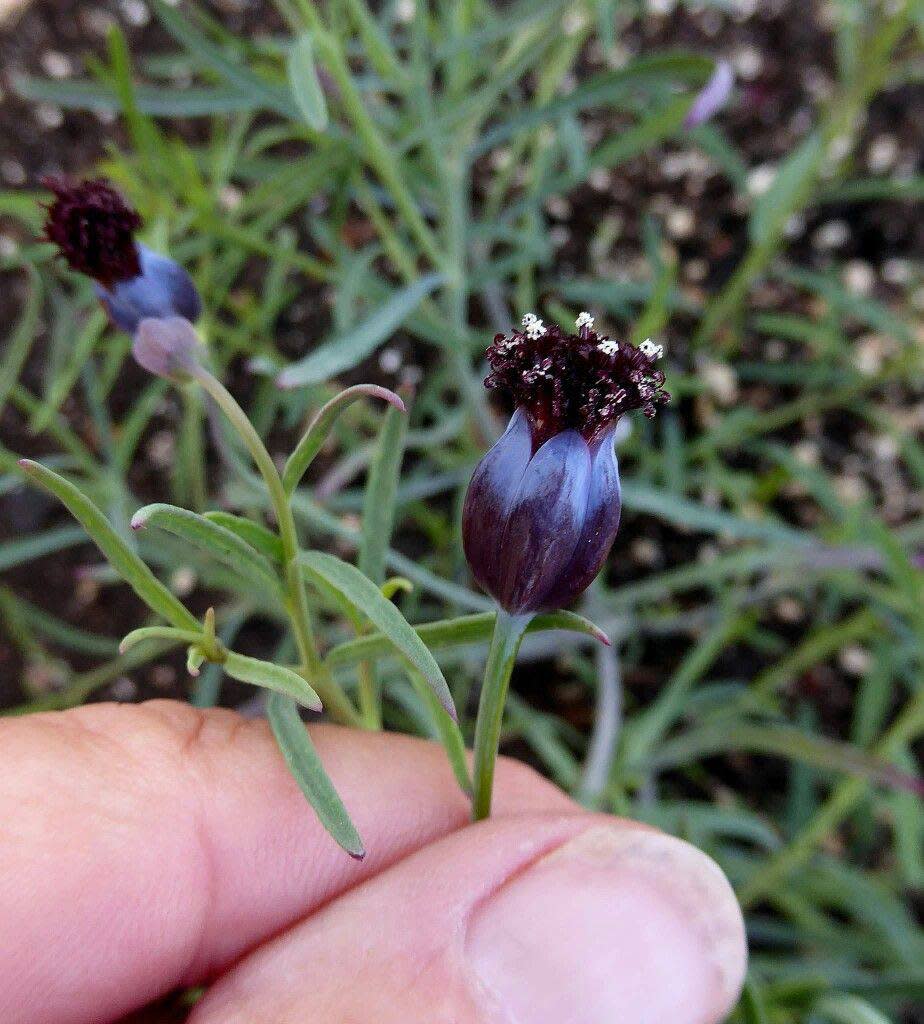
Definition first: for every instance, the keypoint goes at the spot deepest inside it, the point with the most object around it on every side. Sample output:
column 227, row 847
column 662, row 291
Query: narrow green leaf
column 466, row 629
column 211, row 537
column 319, row 428
column 848, row 1009
column 125, row 562
column 379, row 499
column 782, row 741
column 345, row 352
column 256, row 535
column 153, row 100
column 272, row 677
column 307, row 770
column 303, row 81
column 788, row 192
column 146, row 633
column 447, row 730
column 369, row 602
column 20, row 341
column 235, row 73
column 27, row 549
column 602, row 89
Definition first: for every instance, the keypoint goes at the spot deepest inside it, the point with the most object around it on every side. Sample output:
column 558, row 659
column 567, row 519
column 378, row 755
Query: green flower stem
column 334, row 699
column 369, row 697
column 505, row 643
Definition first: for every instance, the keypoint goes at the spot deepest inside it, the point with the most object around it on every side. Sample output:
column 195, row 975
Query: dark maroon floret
column 582, row 381
column 94, row 229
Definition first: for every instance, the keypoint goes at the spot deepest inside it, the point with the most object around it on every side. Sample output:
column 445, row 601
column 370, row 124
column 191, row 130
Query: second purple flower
column 543, row 507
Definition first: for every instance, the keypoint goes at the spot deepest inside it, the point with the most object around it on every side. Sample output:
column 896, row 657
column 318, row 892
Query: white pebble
column 761, row 178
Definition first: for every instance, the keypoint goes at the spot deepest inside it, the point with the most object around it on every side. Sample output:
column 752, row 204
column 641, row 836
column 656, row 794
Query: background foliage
column 369, row 195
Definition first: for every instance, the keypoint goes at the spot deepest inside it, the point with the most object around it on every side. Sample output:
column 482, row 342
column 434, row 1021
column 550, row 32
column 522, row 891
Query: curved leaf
column 466, row 629
column 316, row 434
column 208, row 535
column 309, row 773
column 345, row 352
column 272, row 677
column 146, row 633
column 255, row 534
column 360, row 592
column 304, row 85
column 119, row 555
column 380, row 495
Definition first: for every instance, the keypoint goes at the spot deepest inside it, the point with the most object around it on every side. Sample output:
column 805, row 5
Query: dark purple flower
column 162, row 289
column 94, row 229
column 543, row 507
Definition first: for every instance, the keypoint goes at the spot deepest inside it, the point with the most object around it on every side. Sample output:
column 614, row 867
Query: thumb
column 546, row 919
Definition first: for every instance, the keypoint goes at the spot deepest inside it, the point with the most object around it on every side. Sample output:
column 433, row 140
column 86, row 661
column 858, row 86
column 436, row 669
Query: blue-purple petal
column 490, row 497
column 162, row 289
column 601, row 523
column 545, row 522
column 712, row 97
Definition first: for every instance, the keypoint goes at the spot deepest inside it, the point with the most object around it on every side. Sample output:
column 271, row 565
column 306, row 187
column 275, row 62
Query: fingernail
column 620, row 923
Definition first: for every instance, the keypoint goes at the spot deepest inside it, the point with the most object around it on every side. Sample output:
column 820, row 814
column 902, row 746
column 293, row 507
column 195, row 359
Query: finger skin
column 541, row 919
column 147, row 846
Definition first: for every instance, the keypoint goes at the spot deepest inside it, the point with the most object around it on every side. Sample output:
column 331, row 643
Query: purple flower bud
column 712, row 97
column 94, row 229
column 537, row 526
column 167, row 347
column 162, row 289
column 542, row 510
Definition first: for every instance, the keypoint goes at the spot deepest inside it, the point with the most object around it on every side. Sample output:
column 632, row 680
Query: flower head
column 94, row 229
column 584, row 382
column 543, row 507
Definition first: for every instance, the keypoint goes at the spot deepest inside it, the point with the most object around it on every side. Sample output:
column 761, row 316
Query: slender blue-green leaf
column 347, row 351
column 319, row 428
column 235, row 73
column 258, row 536
column 57, row 630
column 125, row 562
column 789, row 190
column 176, row 637
column 366, row 598
column 466, row 629
column 602, row 89
column 783, row 741
column 153, row 100
column 27, row 549
column 305, row 766
column 379, row 499
column 211, row 537
column 447, row 731
column 272, row 677
column 20, row 341
column 303, row 81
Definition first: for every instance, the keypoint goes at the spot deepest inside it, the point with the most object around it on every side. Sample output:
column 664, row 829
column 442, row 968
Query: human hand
column 153, row 846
